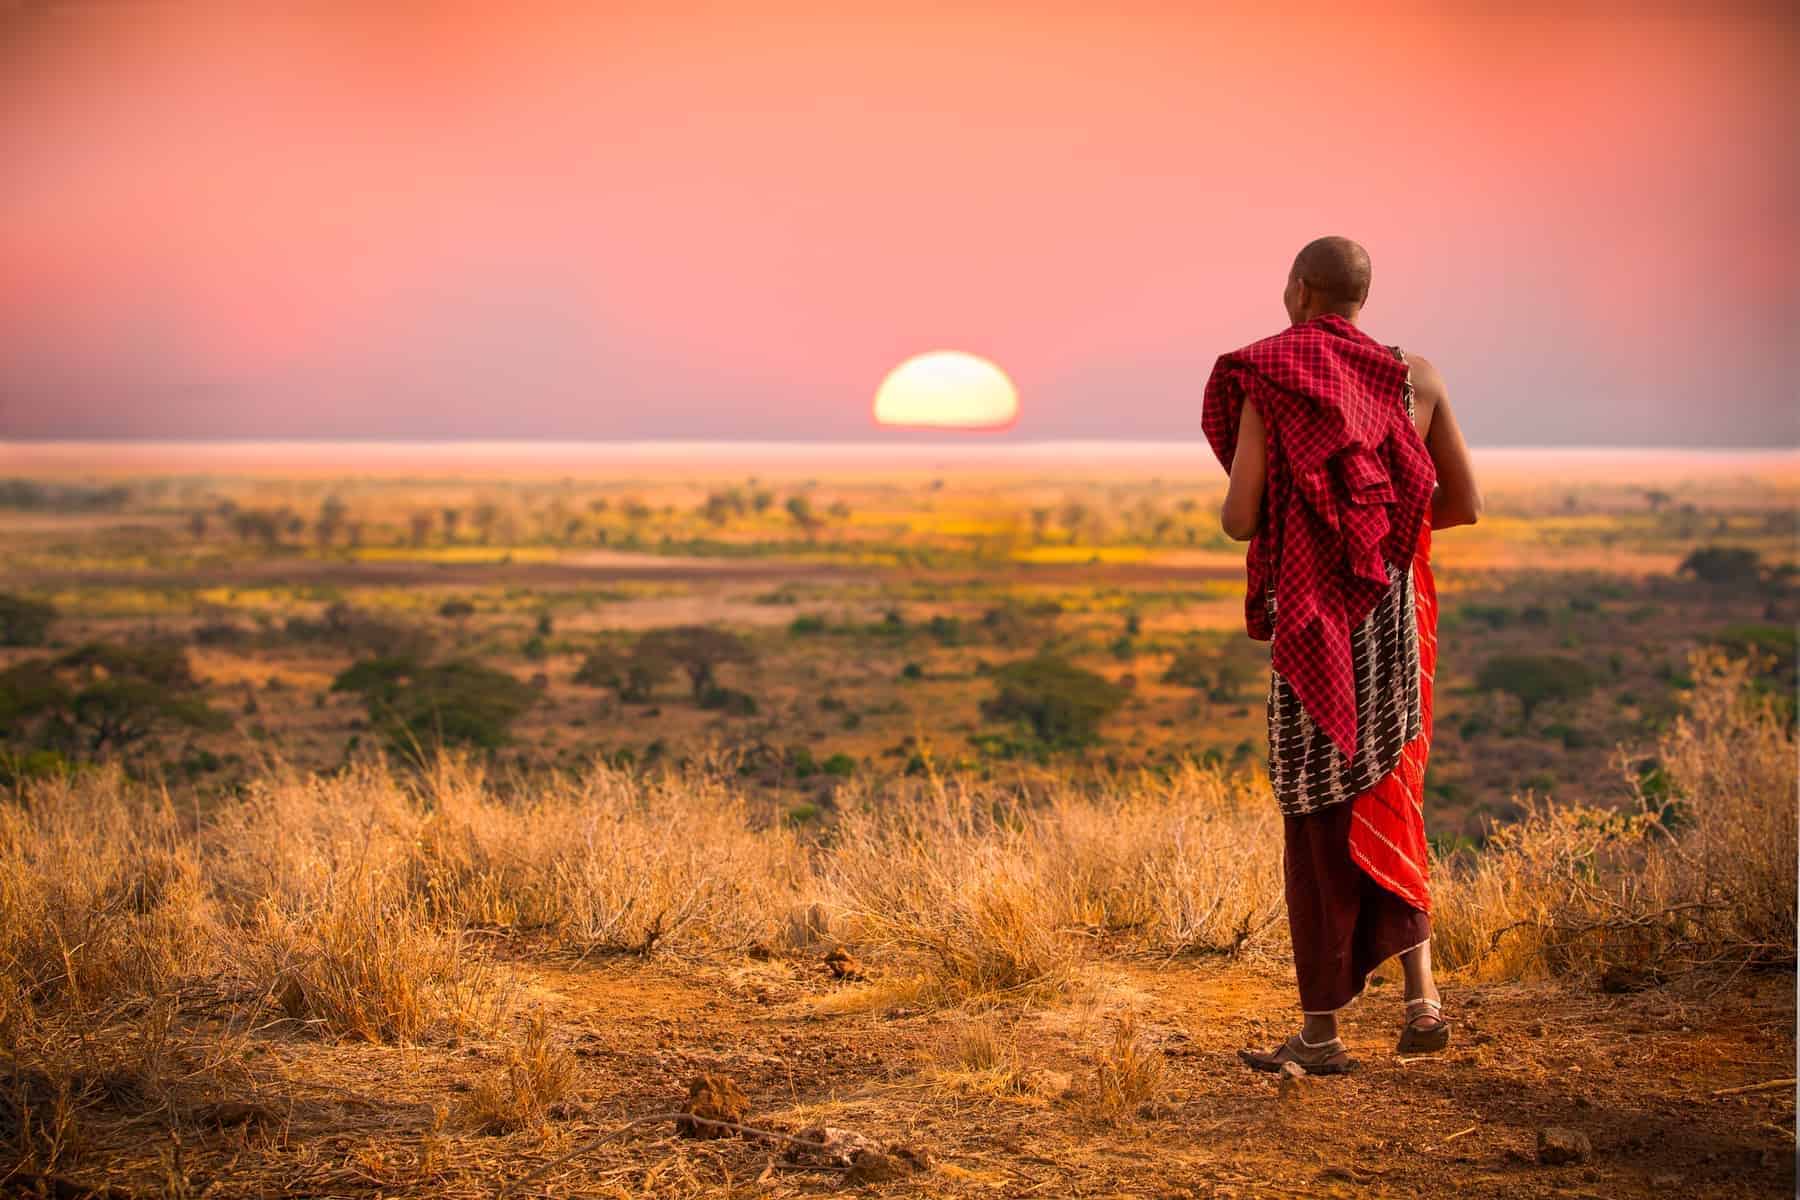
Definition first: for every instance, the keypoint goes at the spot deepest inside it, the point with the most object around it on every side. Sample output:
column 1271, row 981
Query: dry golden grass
column 538, row 1075
column 100, row 896
column 979, row 1058
column 143, row 949
column 606, row 863
column 1702, row 875
column 1128, row 1073
column 990, row 894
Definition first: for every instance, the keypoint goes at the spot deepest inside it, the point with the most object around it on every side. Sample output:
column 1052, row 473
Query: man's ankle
column 1426, row 990
column 1316, row 1031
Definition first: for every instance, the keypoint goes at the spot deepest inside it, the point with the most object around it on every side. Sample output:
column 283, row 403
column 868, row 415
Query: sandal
column 1426, row 1031
column 1325, row 1058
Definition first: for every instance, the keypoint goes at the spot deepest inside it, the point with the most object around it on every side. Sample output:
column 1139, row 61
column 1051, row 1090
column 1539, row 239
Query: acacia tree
column 1535, row 679
column 696, row 649
column 800, row 509
column 103, row 698
column 633, row 675
column 333, row 515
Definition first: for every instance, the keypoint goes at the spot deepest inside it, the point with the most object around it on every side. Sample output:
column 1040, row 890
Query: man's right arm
column 1242, row 510
column 1458, row 498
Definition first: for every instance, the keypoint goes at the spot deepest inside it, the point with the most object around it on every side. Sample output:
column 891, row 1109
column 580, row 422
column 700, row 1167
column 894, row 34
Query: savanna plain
column 780, row 821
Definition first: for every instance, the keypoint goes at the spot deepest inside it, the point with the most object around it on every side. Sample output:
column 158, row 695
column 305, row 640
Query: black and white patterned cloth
column 1306, row 769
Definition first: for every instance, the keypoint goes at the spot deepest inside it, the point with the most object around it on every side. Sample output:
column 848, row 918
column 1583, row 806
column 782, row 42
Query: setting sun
column 947, row 389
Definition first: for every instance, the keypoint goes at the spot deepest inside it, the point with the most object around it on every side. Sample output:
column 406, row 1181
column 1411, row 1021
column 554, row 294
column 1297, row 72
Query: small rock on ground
column 1296, row 1084
column 830, row 1147
column 1557, row 1146
column 842, row 965
column 712, row 1098
column 872, row 1166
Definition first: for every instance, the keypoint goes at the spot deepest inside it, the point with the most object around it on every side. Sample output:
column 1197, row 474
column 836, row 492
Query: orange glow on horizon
column 947, row 389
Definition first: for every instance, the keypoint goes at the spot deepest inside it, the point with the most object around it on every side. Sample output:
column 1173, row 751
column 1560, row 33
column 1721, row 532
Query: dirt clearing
column 1017, row 1101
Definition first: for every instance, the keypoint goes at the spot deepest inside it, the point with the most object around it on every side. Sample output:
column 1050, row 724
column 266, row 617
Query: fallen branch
column 1616, row 924
column 1769, row 1086
column 594, row 1144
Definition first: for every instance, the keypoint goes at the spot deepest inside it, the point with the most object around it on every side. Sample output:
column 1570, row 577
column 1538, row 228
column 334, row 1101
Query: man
column 1344, row 456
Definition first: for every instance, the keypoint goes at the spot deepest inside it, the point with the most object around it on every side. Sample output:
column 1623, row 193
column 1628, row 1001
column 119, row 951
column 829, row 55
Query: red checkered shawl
column 1349, row 489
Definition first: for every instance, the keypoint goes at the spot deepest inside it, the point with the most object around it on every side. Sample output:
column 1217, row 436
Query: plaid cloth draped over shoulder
column 1349, row 490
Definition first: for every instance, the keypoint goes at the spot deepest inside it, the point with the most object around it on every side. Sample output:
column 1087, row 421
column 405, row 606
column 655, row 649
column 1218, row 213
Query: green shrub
column 1493, row 616
column 1774, row 644
column 946, row 631
column 23, row 621
column 421, row 707
column 1189, row 669
column 1228, row 681
column 1723, row 565
column 634, row 675
column 1063, row 704
column 1535, row 679
column 729, row 701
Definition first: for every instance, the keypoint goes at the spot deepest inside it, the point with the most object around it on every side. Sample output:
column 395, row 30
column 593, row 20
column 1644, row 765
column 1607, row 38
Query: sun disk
column 947, row 389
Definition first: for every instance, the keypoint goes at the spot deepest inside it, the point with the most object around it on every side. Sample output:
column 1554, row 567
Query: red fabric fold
column 1387, row 822
column 1349, row 489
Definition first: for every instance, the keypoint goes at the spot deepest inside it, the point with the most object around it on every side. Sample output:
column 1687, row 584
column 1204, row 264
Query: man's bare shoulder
column 1428, row 383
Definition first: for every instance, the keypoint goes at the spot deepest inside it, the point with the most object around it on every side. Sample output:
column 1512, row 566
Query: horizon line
column 906, row 444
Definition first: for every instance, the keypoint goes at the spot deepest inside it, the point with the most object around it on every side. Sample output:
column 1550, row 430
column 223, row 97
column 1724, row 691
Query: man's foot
column 1426, row 1031
column 1323, row 1058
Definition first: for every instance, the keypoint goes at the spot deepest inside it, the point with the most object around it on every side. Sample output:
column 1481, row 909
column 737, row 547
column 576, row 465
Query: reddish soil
column 1640, row 1075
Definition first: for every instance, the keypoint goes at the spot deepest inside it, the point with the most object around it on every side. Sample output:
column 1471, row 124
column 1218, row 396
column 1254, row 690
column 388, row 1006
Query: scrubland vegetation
column 309, row 870
column 993, row 625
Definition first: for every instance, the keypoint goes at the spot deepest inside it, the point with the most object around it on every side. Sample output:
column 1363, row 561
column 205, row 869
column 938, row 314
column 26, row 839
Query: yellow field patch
column 1063, row 555
column 457, row 554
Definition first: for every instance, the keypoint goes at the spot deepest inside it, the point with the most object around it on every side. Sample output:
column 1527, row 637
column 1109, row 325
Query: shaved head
column 1336, row 269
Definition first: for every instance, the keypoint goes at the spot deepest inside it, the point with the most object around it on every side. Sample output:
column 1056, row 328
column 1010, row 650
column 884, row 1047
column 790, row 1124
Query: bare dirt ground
column 1646, row 1077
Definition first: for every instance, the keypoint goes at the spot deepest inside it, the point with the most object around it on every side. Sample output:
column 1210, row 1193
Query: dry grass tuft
column 977, row 1058
column 608, row 863
column 989, row 895
column 368, row 964
column 1128, row 1073
column 538, row 1076
column 100, row 895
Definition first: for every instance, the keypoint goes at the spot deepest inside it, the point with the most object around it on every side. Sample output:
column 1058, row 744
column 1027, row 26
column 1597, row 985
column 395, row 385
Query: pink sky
column 730, row 220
